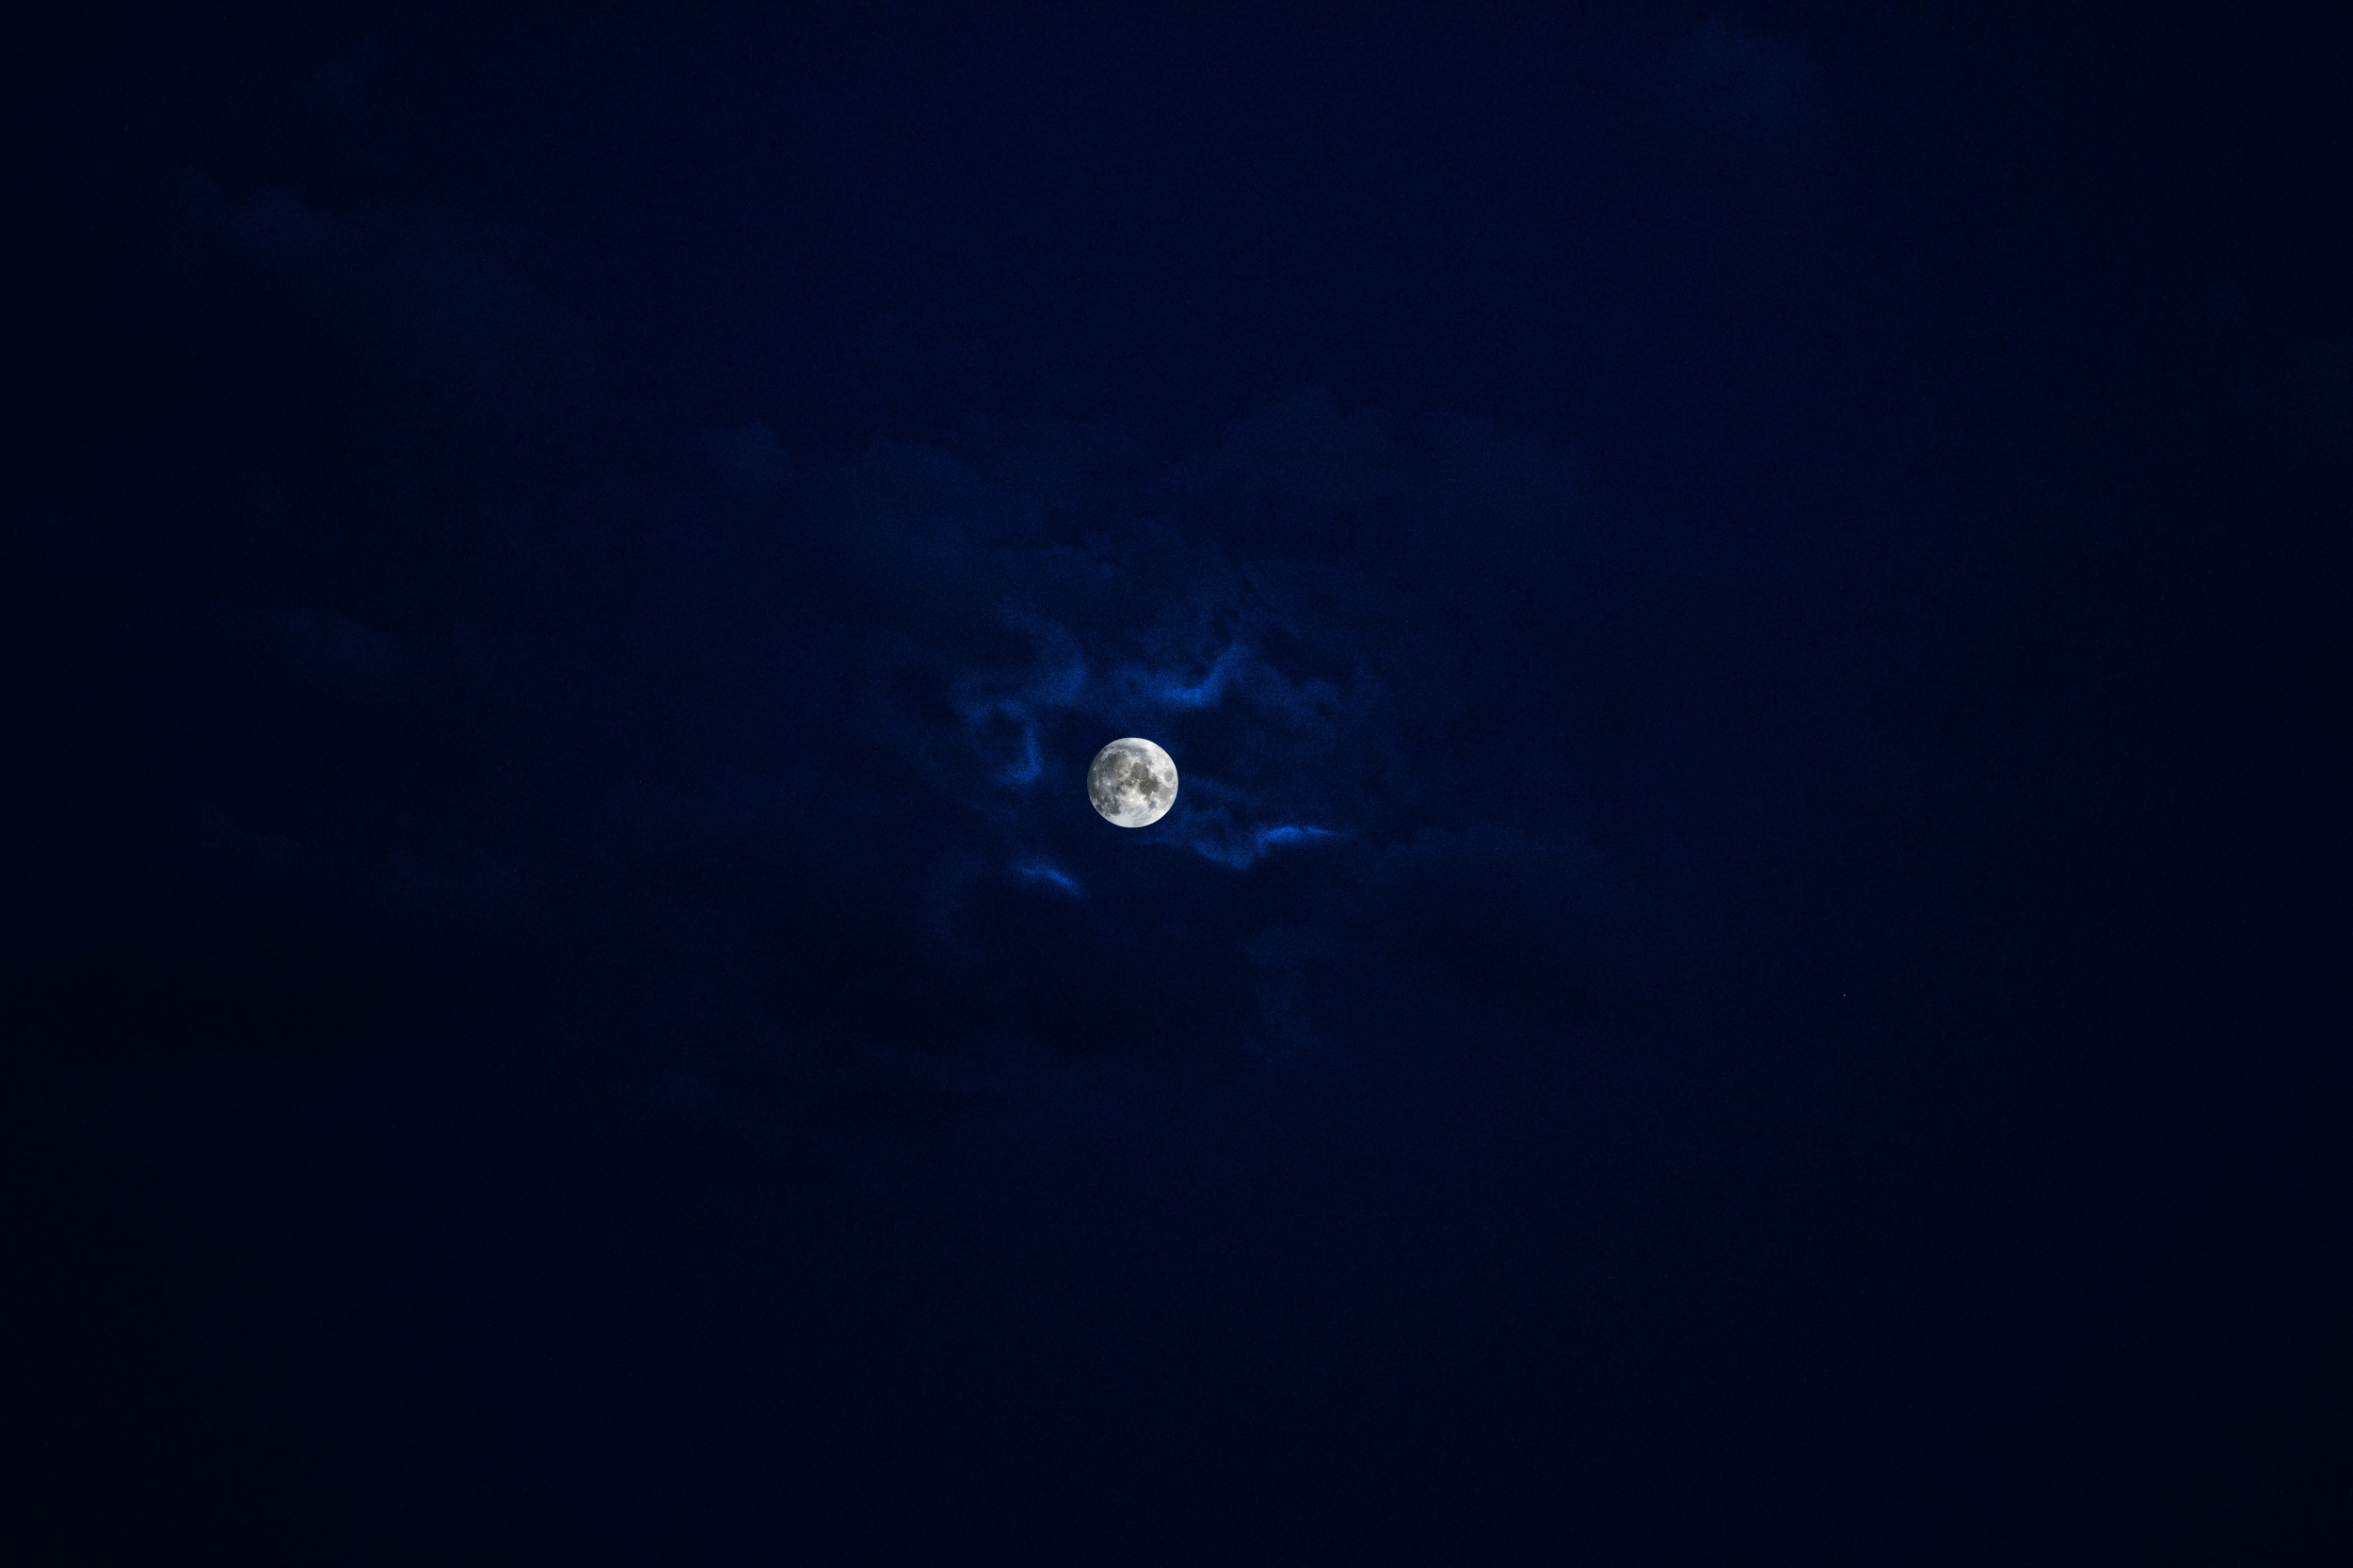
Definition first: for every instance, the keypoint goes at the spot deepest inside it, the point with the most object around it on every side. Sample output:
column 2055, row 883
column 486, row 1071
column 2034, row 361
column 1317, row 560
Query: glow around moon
column 1132, row 782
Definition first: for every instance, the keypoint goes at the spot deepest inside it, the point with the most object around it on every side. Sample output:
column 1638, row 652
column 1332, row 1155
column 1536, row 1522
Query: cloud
column 749, row 452
column 783, row 758
column 402, row 290
column 1142, row 634
column 1046, row 875
column 317, row 649
column 1739, row 84
column 1738, row 102
column 1340, row 752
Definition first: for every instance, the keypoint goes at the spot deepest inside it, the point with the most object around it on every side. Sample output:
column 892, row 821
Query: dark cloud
column 833, row 716
column 397, row 294
column 568, row 579
column 1303, row 690
column 731, row 754
column 1741, row 104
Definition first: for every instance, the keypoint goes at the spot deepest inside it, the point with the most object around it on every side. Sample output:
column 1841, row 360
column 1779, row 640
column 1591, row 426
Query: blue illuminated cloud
column 1243, row 849
column 982, row 718
column 1289, row 748
column 1049, row 875
column 1170, row 689
column 1037, row 625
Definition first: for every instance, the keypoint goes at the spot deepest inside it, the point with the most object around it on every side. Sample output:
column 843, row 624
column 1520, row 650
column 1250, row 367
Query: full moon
column 1132, row 782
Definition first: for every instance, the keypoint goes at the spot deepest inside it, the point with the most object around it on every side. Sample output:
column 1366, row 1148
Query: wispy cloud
column 1050, row 875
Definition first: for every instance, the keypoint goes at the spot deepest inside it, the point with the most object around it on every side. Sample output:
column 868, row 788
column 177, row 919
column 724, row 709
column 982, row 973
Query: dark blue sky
column 1746, row 969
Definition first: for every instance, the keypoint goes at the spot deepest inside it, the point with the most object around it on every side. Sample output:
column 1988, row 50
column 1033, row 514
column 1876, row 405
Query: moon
column 1132, row 782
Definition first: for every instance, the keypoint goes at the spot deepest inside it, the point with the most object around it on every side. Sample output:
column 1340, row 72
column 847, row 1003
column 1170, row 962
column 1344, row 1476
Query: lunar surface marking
column 1132, row 782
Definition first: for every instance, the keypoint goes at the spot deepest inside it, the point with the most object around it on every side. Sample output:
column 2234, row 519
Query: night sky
column 1749, row 967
